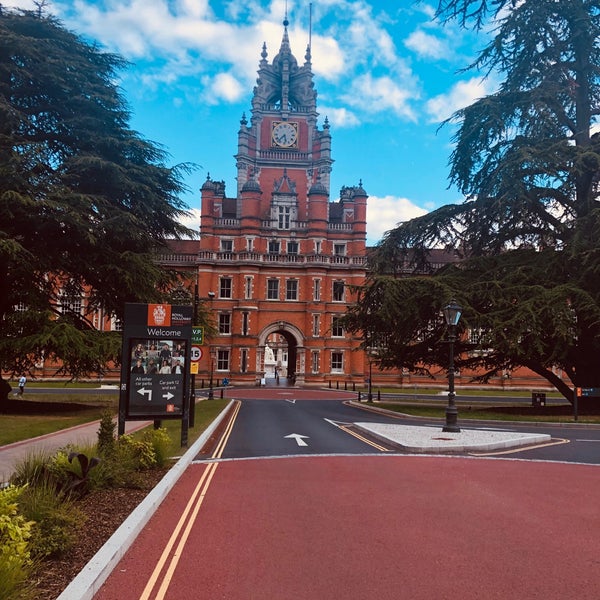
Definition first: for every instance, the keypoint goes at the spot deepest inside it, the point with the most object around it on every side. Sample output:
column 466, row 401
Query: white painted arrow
column 145, row 391
column 298, row 438
column 168, row 396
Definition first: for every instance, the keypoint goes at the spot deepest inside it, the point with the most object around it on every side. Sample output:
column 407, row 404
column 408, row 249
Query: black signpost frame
column 148, row 392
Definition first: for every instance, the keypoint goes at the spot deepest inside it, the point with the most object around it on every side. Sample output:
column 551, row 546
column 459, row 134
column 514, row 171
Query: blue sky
column 386, row 75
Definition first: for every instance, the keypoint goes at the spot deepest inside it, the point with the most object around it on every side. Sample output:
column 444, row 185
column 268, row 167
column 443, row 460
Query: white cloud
column 184, row 38
column 379, row 94
column 427, row 45
column 223, row 86
column 192, row 221
column 460, row 95
column 385, row 213
column 339, row 117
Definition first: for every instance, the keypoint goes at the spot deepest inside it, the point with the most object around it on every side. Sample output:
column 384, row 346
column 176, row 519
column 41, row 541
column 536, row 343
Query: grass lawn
column 206, row 412
column 47, row 413
column 562, row 413
column 40, row 414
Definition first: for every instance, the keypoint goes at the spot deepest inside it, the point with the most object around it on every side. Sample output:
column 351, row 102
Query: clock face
column 285, row 134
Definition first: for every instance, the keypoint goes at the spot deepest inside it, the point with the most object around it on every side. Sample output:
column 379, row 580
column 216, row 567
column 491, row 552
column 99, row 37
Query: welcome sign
column 156, row 350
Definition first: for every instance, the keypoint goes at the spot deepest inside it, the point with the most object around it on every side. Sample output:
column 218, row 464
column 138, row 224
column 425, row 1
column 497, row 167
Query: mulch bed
column 104, row 512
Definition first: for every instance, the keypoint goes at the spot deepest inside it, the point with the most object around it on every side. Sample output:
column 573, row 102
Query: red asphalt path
column 373, row 527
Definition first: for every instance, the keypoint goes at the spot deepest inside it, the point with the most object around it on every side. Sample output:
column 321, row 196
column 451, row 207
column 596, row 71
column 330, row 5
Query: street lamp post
column 370, row 392
column 452, row 313
column 211, row 393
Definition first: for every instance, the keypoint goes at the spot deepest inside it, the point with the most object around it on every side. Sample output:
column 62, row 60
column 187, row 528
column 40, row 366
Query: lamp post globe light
column 452, row 313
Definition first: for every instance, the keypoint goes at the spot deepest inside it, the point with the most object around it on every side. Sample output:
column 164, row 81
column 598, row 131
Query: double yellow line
column 186, row 522
column 363, row 439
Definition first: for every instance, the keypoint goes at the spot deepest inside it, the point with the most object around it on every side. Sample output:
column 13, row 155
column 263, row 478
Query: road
column 290, row 505
column 263, row 426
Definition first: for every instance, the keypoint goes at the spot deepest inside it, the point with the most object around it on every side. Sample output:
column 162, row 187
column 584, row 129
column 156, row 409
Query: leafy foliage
column 85, row 202
column 528, row 161
column 106, row 434
column 15, row 531
column 55, row 519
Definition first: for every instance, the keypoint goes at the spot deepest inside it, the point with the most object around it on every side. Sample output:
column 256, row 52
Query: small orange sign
column 159, row 315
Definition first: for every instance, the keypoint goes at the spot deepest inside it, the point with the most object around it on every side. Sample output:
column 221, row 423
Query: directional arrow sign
column 145, row 391
column 298, row 438
column 168, row 396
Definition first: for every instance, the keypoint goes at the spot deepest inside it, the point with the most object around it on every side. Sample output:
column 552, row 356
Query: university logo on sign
column 159, row 315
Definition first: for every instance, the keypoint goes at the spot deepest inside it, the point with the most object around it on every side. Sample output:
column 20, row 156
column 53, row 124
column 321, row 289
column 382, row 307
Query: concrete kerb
column 432, row 440
column 87, row 583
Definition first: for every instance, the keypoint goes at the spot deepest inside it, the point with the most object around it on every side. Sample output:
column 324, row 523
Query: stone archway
column 281, row 354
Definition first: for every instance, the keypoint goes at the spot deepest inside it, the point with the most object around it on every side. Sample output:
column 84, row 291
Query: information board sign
column 156, row 350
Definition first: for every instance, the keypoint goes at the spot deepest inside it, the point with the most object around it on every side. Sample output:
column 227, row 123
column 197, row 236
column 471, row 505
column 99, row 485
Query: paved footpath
column 370, row 527
column 11, row 454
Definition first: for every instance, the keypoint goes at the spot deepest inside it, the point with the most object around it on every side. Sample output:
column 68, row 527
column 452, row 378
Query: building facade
column 278, row 260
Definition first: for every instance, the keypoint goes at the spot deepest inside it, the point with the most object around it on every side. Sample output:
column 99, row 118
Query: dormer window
column 283, row 221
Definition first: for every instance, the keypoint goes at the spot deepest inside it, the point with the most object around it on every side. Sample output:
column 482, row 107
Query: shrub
column 32, row 469
column 70, row 470
column 141, row 451
column 15, row 531
column 160, row 442
column 55, row 519
column 106, row 434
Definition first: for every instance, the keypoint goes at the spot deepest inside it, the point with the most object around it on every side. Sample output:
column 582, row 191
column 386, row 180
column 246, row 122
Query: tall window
column 316, row 325
column 248, row 288
column 337, row 362
column 226, row 245
column 222, row 360
column 273, row 289
column 314, row 361
column 291, row 289
column 292, row 247
column 316, row 290
column 336, row 327
column 224, row 323
column 274, row 247
column 245, row 321
column 283, row 215
column 338, row 291
column 225, row 287
column 244, row 360
column 249, row 244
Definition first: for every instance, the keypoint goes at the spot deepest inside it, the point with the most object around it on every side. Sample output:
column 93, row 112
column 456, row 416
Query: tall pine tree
column 85, row 201
column 527, row 159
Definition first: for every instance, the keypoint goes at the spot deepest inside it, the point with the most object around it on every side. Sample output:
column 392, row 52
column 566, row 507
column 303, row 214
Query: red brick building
column 278, row 259
column 276, row 262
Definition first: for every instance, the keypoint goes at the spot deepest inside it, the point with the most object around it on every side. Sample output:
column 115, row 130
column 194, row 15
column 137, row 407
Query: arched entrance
column 280, row 355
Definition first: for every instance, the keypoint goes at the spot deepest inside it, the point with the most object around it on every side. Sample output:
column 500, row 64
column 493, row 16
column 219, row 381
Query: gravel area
column 433, row 439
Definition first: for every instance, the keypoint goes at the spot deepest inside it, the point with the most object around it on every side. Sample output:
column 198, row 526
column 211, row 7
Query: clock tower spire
column 283, row 132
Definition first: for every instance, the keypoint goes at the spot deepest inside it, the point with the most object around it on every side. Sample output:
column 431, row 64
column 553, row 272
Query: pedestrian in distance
column 22, row 382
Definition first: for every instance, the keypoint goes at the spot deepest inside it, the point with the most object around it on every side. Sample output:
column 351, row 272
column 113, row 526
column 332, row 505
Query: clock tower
column 282, row 134
column 278, row 263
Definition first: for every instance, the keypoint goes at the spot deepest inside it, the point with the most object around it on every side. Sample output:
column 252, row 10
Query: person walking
column 22, row 382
